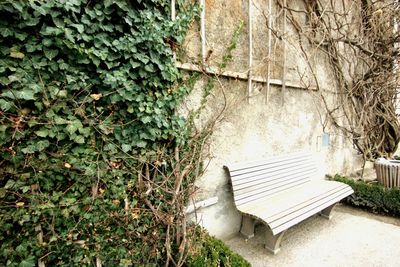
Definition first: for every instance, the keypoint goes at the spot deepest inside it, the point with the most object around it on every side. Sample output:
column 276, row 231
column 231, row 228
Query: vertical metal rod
column 250, row 51
column 269, row 50
column 173, row 10
column 203, row 30
column 284, row 47
column 173, row 18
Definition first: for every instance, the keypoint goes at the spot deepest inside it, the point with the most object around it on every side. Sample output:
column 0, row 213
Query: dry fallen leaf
column 96, row 96
column 17, row 55
column 67, row 165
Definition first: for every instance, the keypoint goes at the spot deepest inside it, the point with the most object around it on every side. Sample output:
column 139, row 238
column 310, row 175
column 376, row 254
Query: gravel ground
column 351, row 238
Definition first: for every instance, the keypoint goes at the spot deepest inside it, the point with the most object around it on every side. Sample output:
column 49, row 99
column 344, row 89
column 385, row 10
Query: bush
column 213, row 252
column 372, row 196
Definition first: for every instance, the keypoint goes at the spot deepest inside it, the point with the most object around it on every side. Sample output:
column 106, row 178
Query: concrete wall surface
column 293, row 119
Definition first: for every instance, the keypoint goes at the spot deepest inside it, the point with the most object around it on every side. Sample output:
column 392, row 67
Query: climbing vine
column 95, row 163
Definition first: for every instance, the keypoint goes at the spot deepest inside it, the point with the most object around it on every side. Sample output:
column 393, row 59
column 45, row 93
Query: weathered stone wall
column 292, row 120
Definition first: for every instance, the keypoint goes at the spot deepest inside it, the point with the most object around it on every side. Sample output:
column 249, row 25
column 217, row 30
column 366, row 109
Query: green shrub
column 213, row 252
column 372, row 196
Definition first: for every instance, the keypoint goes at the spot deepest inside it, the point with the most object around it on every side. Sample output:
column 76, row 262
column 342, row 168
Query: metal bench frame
column 280, row 193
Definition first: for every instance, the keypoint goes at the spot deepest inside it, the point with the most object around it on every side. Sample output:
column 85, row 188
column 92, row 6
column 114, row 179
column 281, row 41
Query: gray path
column 350, row 238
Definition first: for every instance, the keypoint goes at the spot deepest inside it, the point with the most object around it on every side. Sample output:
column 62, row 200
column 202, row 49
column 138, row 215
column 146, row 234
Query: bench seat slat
column 309, row 213
column 304, row 205
column 266, row 192
column 265, row 186
column 289, row 198
column 271, row 167
column 271, row 175
column 249, row 164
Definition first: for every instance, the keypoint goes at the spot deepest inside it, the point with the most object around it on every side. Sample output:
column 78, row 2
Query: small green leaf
column 79, row 139
column 58, row 22
column 41, row 145
column 146, row 119
column 21, row 36
column 84, row 131
column 5, row 32
column 42, row 132
column 74, row 126
column 126, row 148
column 79, row 27
column 70, row 200
column 28, row 262
column 149, row 68
column 10, row 184
column 2, row 192
column 134, row 64
column 141, row 144
column 50, row 53
column 4, row 105
column 17, row 5
column 29, row 149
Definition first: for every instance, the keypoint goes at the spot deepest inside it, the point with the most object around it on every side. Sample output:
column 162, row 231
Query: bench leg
column 273, row 242
column 247, row 228
column 326, row 213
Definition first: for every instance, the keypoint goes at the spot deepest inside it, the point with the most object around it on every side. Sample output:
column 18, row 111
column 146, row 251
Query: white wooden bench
column 281, row 192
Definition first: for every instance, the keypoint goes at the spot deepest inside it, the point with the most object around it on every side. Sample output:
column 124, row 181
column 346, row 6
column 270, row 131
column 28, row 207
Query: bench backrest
column 260, row 179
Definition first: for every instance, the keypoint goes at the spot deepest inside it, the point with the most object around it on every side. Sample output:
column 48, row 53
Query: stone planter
column 388, row 172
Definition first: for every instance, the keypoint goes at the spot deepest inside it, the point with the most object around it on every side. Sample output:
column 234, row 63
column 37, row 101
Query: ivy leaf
column 74, row 126
column 29, row 149
column 17, row 6
column 79, row 139
column 42, row 132
column 50, row 53
column 21, row 36
column 79, row 27
column 4, row 105
column 126, row 148
column 58, row 22
column 141, row 144
column 41, row 145
column 149, row 68
column 5, row 31
column 146, row 119
column 10, row 184
column 134, row 64
column 26, row 94
column 2, row 192
column 28, row 262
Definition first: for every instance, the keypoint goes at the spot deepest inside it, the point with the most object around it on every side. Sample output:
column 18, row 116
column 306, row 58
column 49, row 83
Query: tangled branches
column 360, row 40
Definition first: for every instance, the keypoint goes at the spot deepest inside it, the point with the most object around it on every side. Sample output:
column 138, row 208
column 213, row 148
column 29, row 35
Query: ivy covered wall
column 89, row 139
